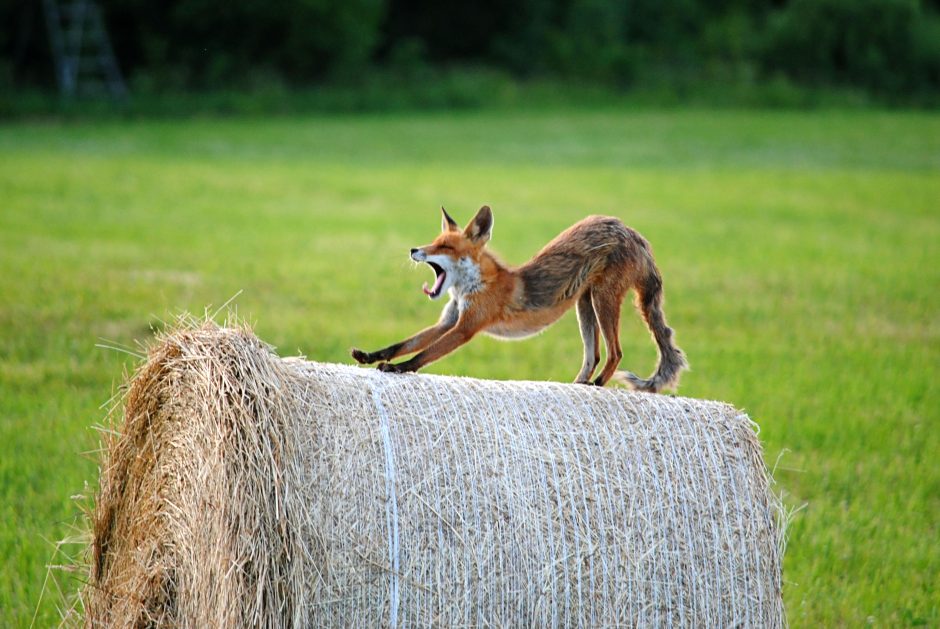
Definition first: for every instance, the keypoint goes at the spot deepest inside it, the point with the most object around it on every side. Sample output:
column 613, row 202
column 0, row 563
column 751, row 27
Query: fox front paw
column 363, row 358
column 394, row 368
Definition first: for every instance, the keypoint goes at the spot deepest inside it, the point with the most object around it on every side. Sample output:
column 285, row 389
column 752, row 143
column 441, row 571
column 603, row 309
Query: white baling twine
column 391, row 508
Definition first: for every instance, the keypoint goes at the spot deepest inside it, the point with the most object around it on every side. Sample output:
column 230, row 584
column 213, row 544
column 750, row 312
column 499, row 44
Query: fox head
column 455, row 254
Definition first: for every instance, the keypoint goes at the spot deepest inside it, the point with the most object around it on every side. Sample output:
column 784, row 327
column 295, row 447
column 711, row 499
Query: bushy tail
column 649, row 301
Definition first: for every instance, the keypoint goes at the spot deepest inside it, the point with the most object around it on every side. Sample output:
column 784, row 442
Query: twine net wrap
column 248, row 490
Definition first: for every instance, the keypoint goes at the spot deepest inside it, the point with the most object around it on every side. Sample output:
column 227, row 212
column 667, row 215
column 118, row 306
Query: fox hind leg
column 590, row 336
column 607, row 304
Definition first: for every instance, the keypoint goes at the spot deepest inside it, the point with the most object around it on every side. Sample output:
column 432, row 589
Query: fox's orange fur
column 591, row 266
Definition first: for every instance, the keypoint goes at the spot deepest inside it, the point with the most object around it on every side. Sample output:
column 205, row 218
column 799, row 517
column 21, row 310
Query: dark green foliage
column 887, row 46
column 889, row 49
column 208, row 43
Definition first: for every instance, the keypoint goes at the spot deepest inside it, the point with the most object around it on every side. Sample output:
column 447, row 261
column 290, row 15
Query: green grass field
column 799, row 250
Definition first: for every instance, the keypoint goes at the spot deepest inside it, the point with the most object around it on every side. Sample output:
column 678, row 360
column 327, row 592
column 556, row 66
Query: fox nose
column 414, row 250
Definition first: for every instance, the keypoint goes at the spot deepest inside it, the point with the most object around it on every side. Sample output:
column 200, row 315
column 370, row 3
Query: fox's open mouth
column 435, row 291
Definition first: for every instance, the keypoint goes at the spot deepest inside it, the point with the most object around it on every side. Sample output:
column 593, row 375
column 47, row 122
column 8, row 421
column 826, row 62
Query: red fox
column 591, row 265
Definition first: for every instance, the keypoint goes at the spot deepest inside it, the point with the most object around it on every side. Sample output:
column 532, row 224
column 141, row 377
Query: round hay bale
column 248, row 490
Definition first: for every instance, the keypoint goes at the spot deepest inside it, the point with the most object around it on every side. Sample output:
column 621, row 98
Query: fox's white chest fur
column 467, row 277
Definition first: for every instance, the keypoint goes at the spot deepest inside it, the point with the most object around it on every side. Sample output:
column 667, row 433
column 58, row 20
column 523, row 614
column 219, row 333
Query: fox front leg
column 413, row 344
column 465, row 330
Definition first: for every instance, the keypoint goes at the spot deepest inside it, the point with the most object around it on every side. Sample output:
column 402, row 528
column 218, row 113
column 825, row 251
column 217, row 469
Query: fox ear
column 481, row 227
column 447, row 223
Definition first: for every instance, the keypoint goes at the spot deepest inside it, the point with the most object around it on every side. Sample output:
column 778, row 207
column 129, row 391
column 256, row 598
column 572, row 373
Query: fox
column 590, row 266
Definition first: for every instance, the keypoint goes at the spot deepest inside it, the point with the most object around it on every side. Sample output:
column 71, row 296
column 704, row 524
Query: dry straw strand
column 243, row 489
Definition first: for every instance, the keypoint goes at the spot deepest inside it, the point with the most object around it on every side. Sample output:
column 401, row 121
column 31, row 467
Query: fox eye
column 447, row 247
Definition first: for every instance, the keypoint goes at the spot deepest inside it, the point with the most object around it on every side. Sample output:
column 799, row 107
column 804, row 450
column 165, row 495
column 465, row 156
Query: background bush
column 886, row 48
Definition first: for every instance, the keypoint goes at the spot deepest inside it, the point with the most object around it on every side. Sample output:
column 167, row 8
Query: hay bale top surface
column 246, row 489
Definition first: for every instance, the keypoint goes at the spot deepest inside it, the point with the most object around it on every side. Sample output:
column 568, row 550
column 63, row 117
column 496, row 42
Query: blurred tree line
column 886, row 47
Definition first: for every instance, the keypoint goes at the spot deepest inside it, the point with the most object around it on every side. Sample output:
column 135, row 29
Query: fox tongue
column 437, row 286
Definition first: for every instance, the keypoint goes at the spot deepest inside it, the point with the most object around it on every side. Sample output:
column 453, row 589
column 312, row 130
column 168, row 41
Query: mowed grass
column 799, row 252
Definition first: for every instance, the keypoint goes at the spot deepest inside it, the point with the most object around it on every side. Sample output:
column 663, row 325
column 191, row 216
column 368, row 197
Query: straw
column 248, row 490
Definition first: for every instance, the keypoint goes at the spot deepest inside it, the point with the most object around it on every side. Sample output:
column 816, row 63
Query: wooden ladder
column 84, row 59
